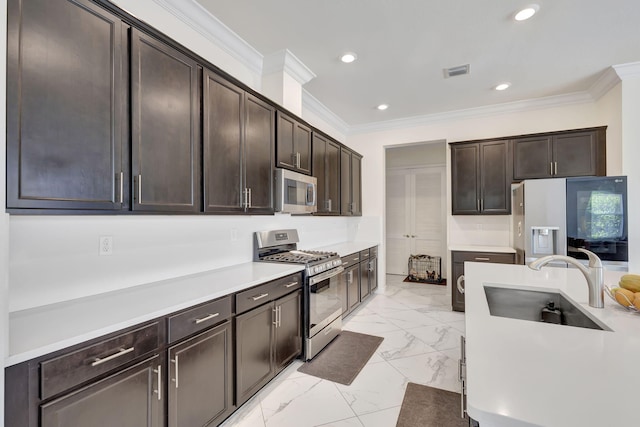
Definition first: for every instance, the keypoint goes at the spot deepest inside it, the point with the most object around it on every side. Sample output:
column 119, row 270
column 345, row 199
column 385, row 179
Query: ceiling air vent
column 460, row 70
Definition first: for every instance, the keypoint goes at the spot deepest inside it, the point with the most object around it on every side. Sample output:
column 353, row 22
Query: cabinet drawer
column 492, row 257
column 364, row 255
column 258, row 295
column 199, row 318
column 69, row 370
column 373, row 252
column 350, row 259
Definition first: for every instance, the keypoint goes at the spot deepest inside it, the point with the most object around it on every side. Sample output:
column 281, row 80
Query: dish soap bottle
column 550, row 314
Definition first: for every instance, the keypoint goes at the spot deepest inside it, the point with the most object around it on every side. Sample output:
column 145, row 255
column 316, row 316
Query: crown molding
column 201, row 20
column 311, row 104
column 631, row 69
column 605, row 82
column 489, row 110
column 285, row 61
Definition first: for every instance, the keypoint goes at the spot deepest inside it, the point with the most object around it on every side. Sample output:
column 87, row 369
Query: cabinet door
column 223, row 127
column 365, row 284
column 165, row 123
column 356, row 185
column 457, row 298
column 495, row 178
column 465, row 197
column 532, row 157
column 200, row 382
column 575, row 154
column 130, row 398
column 285, row 142
column 65, row 98
column 345, row 182
column 353, row 286
column 332, row 171
column 258, row 154
column 373, row 273
column 343, row 290
column 288, row 329
column 254, row 367
column 303, row 148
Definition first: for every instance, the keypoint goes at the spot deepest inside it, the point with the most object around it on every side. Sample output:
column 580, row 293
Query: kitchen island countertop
column 524, row 373
column 41, row 330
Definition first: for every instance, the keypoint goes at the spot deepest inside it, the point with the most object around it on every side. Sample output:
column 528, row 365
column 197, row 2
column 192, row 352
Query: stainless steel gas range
column 322, row 302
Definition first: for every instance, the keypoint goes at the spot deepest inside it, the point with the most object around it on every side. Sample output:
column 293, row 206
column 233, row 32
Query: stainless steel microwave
column 295, row 193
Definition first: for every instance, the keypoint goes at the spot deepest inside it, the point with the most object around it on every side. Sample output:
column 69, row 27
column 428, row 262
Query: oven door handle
column 326, row 275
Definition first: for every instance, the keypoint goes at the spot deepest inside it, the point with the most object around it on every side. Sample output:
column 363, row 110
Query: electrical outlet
column 106, row 245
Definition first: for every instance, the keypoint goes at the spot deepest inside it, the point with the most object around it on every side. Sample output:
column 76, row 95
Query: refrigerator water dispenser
column 544, row 240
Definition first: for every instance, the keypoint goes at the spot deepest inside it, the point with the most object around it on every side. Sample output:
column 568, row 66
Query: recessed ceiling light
column 382, row 107
column 527, row 12
column 503, row 86
column 348, row 57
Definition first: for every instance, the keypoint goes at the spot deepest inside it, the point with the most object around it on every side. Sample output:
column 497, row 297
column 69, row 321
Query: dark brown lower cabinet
column 267, row 338
column 458, row 259
column 365, row 276
column 373, row 268
column 200, row 386
column 129, row 398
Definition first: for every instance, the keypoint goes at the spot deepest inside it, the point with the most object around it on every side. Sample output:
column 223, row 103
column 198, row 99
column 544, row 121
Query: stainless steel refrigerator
column 558, row 215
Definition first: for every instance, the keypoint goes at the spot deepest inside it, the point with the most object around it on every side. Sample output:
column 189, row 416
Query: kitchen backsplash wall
column 54, row 259
column 484, row 230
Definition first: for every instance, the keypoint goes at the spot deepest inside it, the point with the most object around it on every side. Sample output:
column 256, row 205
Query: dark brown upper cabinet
column 326, row 168
column 66, row 125
column 293, row 144
column 350, row 183
column 165, row 127
column 563, row 154
column 481, row 178
column 238, row 149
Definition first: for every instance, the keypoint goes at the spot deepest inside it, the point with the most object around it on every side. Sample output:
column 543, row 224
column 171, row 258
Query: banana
column 630, row 282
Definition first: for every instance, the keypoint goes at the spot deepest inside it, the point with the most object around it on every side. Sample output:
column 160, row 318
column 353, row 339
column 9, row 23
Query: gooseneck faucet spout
column 594, row 274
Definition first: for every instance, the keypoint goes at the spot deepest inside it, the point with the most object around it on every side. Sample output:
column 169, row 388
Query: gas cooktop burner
column 300, row 257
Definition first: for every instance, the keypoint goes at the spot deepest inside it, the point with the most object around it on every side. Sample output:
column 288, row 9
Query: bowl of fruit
column 627, row 294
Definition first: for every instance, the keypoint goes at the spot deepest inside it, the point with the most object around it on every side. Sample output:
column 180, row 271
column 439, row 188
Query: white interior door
column 398, row 221
column 416, row 216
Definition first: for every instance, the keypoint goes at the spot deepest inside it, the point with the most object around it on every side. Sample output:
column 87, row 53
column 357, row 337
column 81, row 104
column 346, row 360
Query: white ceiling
column 404, row 45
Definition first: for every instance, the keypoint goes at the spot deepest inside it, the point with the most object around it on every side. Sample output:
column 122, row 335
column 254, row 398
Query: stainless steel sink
column 527, row 305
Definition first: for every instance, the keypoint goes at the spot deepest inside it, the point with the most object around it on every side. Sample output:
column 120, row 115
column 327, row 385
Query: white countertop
column 483, row 248
column 524, row 373
column 41, row 330
column 347, row 248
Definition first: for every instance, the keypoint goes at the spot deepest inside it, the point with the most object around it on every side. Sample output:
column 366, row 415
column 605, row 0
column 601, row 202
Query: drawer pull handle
column 97, row 361
column 288, row 285
column 478, row 258
column 159, row 390
column 459, row 284
column 257, row 297
column 207, row 317
column 175, row 380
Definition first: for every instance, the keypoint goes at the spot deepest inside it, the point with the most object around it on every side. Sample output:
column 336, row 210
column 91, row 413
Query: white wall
column 631, row 155
column 421, row 154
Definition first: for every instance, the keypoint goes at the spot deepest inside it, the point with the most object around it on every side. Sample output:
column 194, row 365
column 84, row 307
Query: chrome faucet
column 594, row 274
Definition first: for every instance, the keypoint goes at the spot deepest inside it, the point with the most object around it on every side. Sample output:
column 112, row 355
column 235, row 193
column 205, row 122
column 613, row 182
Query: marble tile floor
column 421, row 344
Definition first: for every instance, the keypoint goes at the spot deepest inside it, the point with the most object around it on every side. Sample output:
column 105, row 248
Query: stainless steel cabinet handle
column 288, row 285
column 279, row 316
column 274, row 310
column 298, row 160
column 481, row 205
column 478, row 204
column 459, row 284
column 250, row 201
column 175, row 380
column 98, row 361
column 370, row 265
column 257, row 297
column 550, row 168
column 139, row 189
column 159, row 390
column 460, row 370
column 207, row 317
column 555, row 168
column 121, row 187
column 478, row 258
column 350, row 277
column 329, row 204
